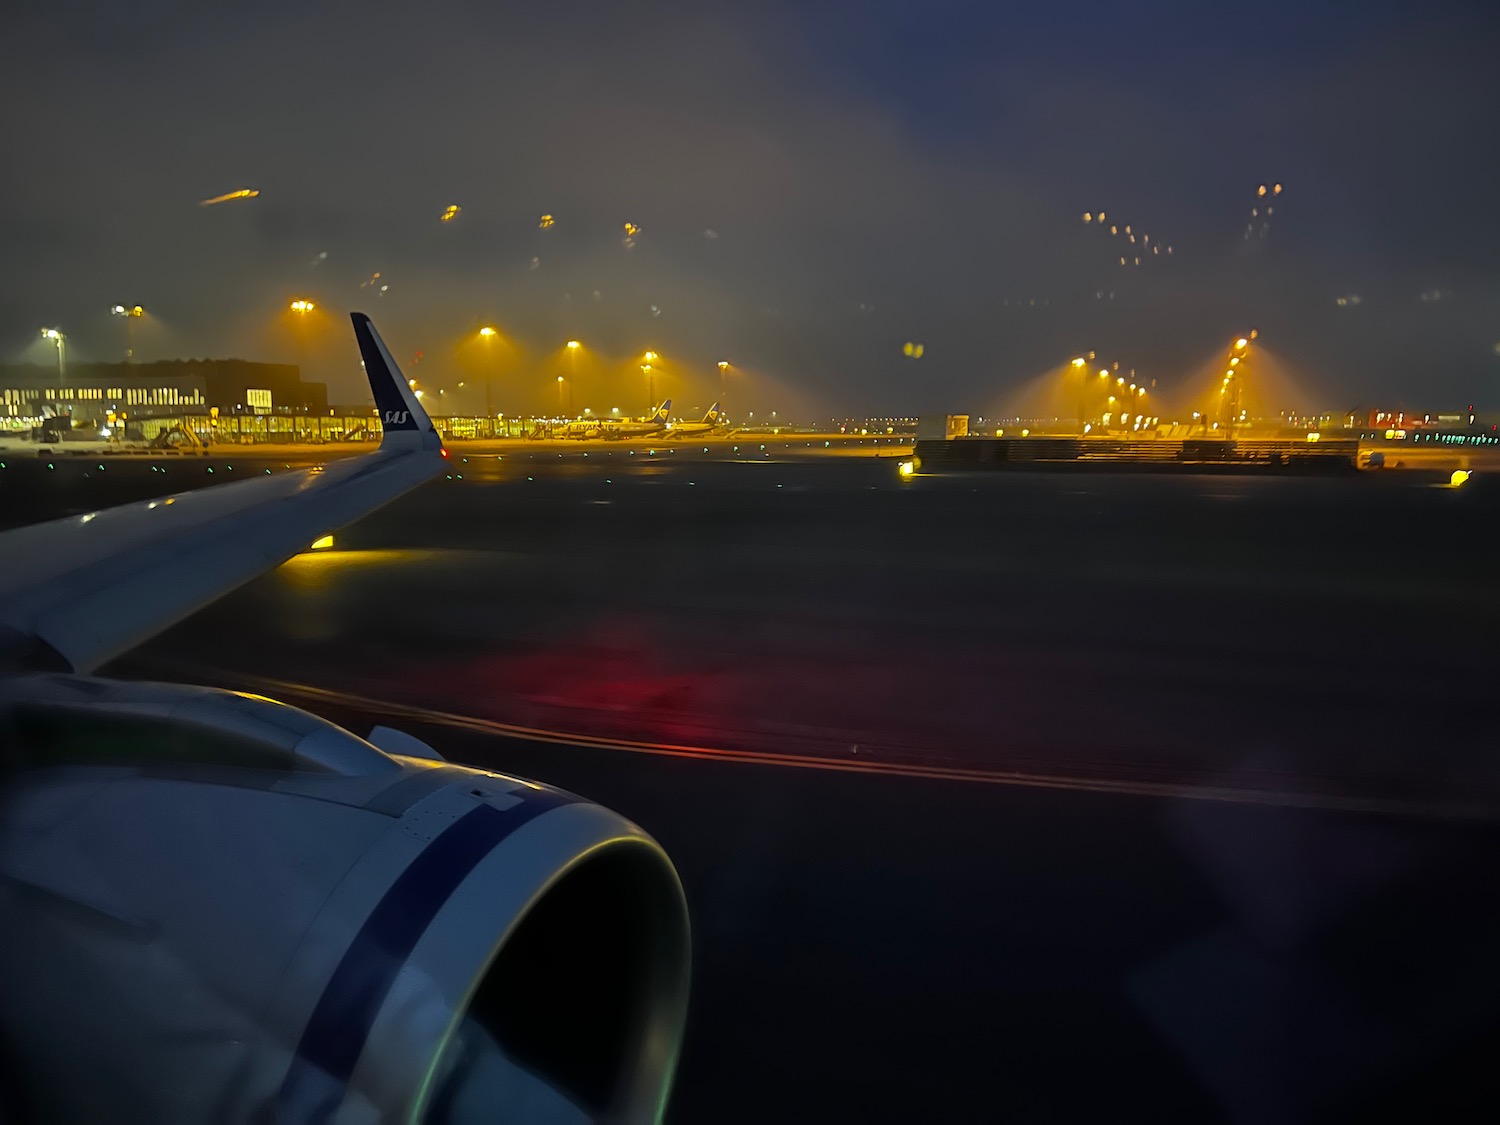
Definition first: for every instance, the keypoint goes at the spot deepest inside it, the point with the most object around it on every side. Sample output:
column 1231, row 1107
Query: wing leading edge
column 77, row 592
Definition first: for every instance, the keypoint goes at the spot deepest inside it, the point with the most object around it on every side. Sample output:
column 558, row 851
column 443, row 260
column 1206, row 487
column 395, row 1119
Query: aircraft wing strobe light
column 221, row 908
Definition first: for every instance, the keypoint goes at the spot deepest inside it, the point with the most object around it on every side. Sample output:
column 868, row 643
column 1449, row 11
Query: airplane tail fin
column 661, row 412
column 404, row 422
column 713, row 414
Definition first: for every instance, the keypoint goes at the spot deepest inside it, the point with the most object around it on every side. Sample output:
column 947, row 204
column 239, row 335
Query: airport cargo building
column 229, row 399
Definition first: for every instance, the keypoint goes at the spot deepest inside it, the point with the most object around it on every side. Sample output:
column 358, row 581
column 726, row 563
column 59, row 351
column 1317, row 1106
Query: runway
column 1017, row 796
column 319, row 699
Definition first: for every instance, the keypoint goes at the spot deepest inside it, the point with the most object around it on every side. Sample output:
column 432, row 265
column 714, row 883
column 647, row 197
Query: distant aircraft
column 220, row 908
column 654, row 423
column 581, row 430
column 711, row 421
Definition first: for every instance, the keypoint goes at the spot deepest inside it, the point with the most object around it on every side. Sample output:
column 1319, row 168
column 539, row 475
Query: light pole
column 130, row 314
column 61, row 342
column 1229, row 390
column 650, row 358
column 560, row 382
column 573, row 348
column 1078, row 365
column 487, row 334
column 723, row 371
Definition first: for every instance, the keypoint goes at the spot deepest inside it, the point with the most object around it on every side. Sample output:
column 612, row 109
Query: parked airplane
column 220, row 908
column 711, row 421
column 654, row 423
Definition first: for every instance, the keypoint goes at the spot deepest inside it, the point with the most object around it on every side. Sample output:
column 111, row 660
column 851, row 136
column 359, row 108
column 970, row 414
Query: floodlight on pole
column 129, row 314
column 60, row 342
column 487, row 333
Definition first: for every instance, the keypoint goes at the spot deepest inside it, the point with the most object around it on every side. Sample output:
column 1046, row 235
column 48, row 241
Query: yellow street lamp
column 60, row 342
column 1083, row 392
column 487, row 334
column 1242, row 343
column 301, row 306
column 574, row 345
column 130, row 314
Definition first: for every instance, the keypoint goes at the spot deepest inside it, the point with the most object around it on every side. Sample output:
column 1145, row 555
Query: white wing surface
column 76, row 592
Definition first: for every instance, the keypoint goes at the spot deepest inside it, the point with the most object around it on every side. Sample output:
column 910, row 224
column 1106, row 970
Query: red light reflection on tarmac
column 610, row 688
column 1120, row 786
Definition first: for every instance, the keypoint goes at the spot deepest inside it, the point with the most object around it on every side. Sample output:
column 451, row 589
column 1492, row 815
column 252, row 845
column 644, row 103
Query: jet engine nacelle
column 220, row 908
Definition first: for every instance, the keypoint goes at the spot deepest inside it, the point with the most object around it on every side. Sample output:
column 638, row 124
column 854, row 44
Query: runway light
column 1314, row 436
column 1459, row 477
column 906, row 469
column 322, row 544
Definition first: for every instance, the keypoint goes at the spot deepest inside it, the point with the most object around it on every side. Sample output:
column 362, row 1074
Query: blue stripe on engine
column 340, row 1023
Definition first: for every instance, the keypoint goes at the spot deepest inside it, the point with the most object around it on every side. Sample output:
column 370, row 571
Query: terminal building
column 225, row 396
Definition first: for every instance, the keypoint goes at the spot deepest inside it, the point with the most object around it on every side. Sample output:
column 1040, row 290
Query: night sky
column 815, row 185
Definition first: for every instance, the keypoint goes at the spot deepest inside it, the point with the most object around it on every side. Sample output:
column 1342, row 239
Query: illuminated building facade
column 91, row 392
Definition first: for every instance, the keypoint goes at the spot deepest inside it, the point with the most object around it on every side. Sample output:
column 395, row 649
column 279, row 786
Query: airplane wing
column 219, row 908
column 76, row 592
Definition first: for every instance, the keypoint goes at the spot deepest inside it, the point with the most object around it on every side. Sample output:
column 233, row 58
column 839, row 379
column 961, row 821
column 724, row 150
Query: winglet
column 404, row 422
